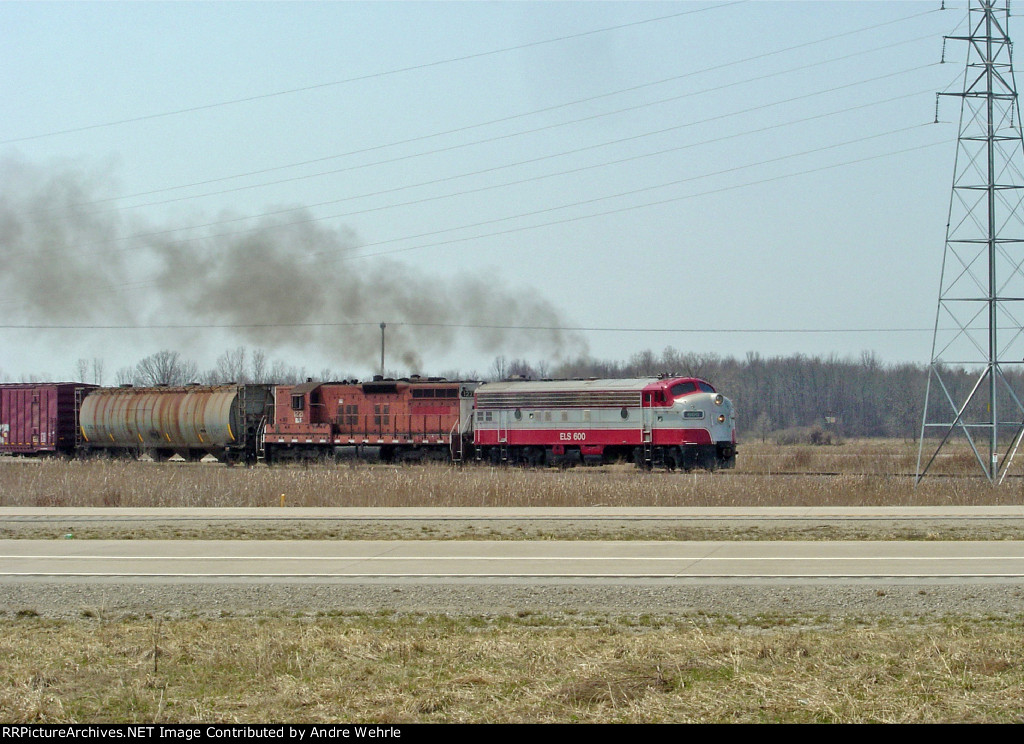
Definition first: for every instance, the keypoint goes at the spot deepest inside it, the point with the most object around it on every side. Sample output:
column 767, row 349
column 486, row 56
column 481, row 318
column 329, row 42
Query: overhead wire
column 620, row 210
column 520, row 133
column 322, row 256
column 547, row 109
column 576, row 204
column 368, row 76
column 477, row 326
column 139, row 236
column 505, row 184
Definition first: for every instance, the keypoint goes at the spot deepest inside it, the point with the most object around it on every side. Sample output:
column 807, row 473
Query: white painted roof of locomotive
column 636, row 383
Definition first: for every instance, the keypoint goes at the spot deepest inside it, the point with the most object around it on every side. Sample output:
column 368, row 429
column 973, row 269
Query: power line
column 606, row 212
column 521, row 133
column 491, row 187
column 602, row 164
column 321, row 254
column 479, row 125
column 475, row 326
column 369, row 76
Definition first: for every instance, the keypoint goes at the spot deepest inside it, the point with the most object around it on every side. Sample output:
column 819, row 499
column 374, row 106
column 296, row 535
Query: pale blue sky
column 784, row 175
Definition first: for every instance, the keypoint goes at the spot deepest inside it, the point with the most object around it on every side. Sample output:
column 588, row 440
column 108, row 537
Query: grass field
column 871, row 473
column 529, row 668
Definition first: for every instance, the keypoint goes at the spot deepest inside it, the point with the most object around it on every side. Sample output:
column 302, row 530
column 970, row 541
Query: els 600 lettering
column 572, row 436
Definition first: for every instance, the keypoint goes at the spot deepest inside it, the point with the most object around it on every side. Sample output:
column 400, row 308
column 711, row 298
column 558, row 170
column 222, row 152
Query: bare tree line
column 238, row 365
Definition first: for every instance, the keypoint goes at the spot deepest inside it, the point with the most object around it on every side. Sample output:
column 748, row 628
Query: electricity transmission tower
column 979, row 336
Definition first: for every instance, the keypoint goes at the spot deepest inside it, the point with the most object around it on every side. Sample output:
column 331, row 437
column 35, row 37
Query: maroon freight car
column 38, row 418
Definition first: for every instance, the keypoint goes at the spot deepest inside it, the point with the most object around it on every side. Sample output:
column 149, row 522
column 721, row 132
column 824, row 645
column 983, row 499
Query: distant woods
column 787, row 399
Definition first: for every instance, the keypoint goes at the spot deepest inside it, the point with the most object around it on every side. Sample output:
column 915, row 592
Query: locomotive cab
column 696, row 402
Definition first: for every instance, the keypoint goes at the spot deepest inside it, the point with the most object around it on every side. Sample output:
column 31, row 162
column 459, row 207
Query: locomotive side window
column 298, row 402
column 435, row 393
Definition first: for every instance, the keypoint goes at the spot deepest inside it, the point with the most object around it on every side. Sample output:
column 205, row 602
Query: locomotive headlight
column 721, row 418
column 719, row 399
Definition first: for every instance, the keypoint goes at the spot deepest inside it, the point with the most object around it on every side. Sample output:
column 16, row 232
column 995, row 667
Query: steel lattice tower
column 978, row 329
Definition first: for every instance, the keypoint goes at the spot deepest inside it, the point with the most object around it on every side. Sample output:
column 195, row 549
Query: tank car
column 226, row 421
column 410, row 419
column 669, row 422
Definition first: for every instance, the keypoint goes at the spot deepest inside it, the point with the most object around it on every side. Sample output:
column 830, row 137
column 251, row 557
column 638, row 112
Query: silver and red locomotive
column 670, row 422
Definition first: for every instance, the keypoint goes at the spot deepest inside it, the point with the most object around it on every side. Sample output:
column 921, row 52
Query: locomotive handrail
column 456, row 456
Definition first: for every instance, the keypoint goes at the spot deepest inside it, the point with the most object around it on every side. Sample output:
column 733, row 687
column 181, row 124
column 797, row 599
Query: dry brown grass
column 438, row 669
column 886, row 457
column 869, row 474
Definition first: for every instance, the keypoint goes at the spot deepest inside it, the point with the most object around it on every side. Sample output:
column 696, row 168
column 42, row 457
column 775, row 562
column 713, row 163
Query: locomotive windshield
column 683, row 388
column 690, row 386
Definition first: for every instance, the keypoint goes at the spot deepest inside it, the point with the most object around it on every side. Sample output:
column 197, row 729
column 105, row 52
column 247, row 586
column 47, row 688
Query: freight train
column 665, row 422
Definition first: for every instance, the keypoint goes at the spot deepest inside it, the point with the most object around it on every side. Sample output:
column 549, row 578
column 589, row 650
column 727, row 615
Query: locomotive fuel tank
column 220, row 420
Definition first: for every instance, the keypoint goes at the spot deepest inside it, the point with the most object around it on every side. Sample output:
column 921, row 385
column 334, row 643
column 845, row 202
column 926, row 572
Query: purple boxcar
column 39, row 417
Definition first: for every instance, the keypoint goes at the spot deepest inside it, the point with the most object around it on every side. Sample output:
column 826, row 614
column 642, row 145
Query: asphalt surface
column 48, row 569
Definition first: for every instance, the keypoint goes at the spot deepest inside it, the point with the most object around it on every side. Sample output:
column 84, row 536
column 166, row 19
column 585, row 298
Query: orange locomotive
column 397, row 420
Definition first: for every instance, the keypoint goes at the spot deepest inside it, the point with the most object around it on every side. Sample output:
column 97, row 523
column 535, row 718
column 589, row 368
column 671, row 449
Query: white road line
column 737, row 559
column 516, row 575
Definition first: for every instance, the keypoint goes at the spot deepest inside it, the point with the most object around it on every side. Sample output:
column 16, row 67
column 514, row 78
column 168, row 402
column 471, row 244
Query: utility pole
column 978, row 328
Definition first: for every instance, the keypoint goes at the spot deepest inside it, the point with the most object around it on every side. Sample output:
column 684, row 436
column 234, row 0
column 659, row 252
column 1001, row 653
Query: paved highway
column 808, row 514
column 510, row 560
column 209, row 576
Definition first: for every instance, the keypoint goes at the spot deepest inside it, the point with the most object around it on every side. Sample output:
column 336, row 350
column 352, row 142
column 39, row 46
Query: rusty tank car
column 225, row 421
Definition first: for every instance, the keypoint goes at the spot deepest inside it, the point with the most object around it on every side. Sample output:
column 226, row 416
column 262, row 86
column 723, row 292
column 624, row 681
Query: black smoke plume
column 287, row 284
